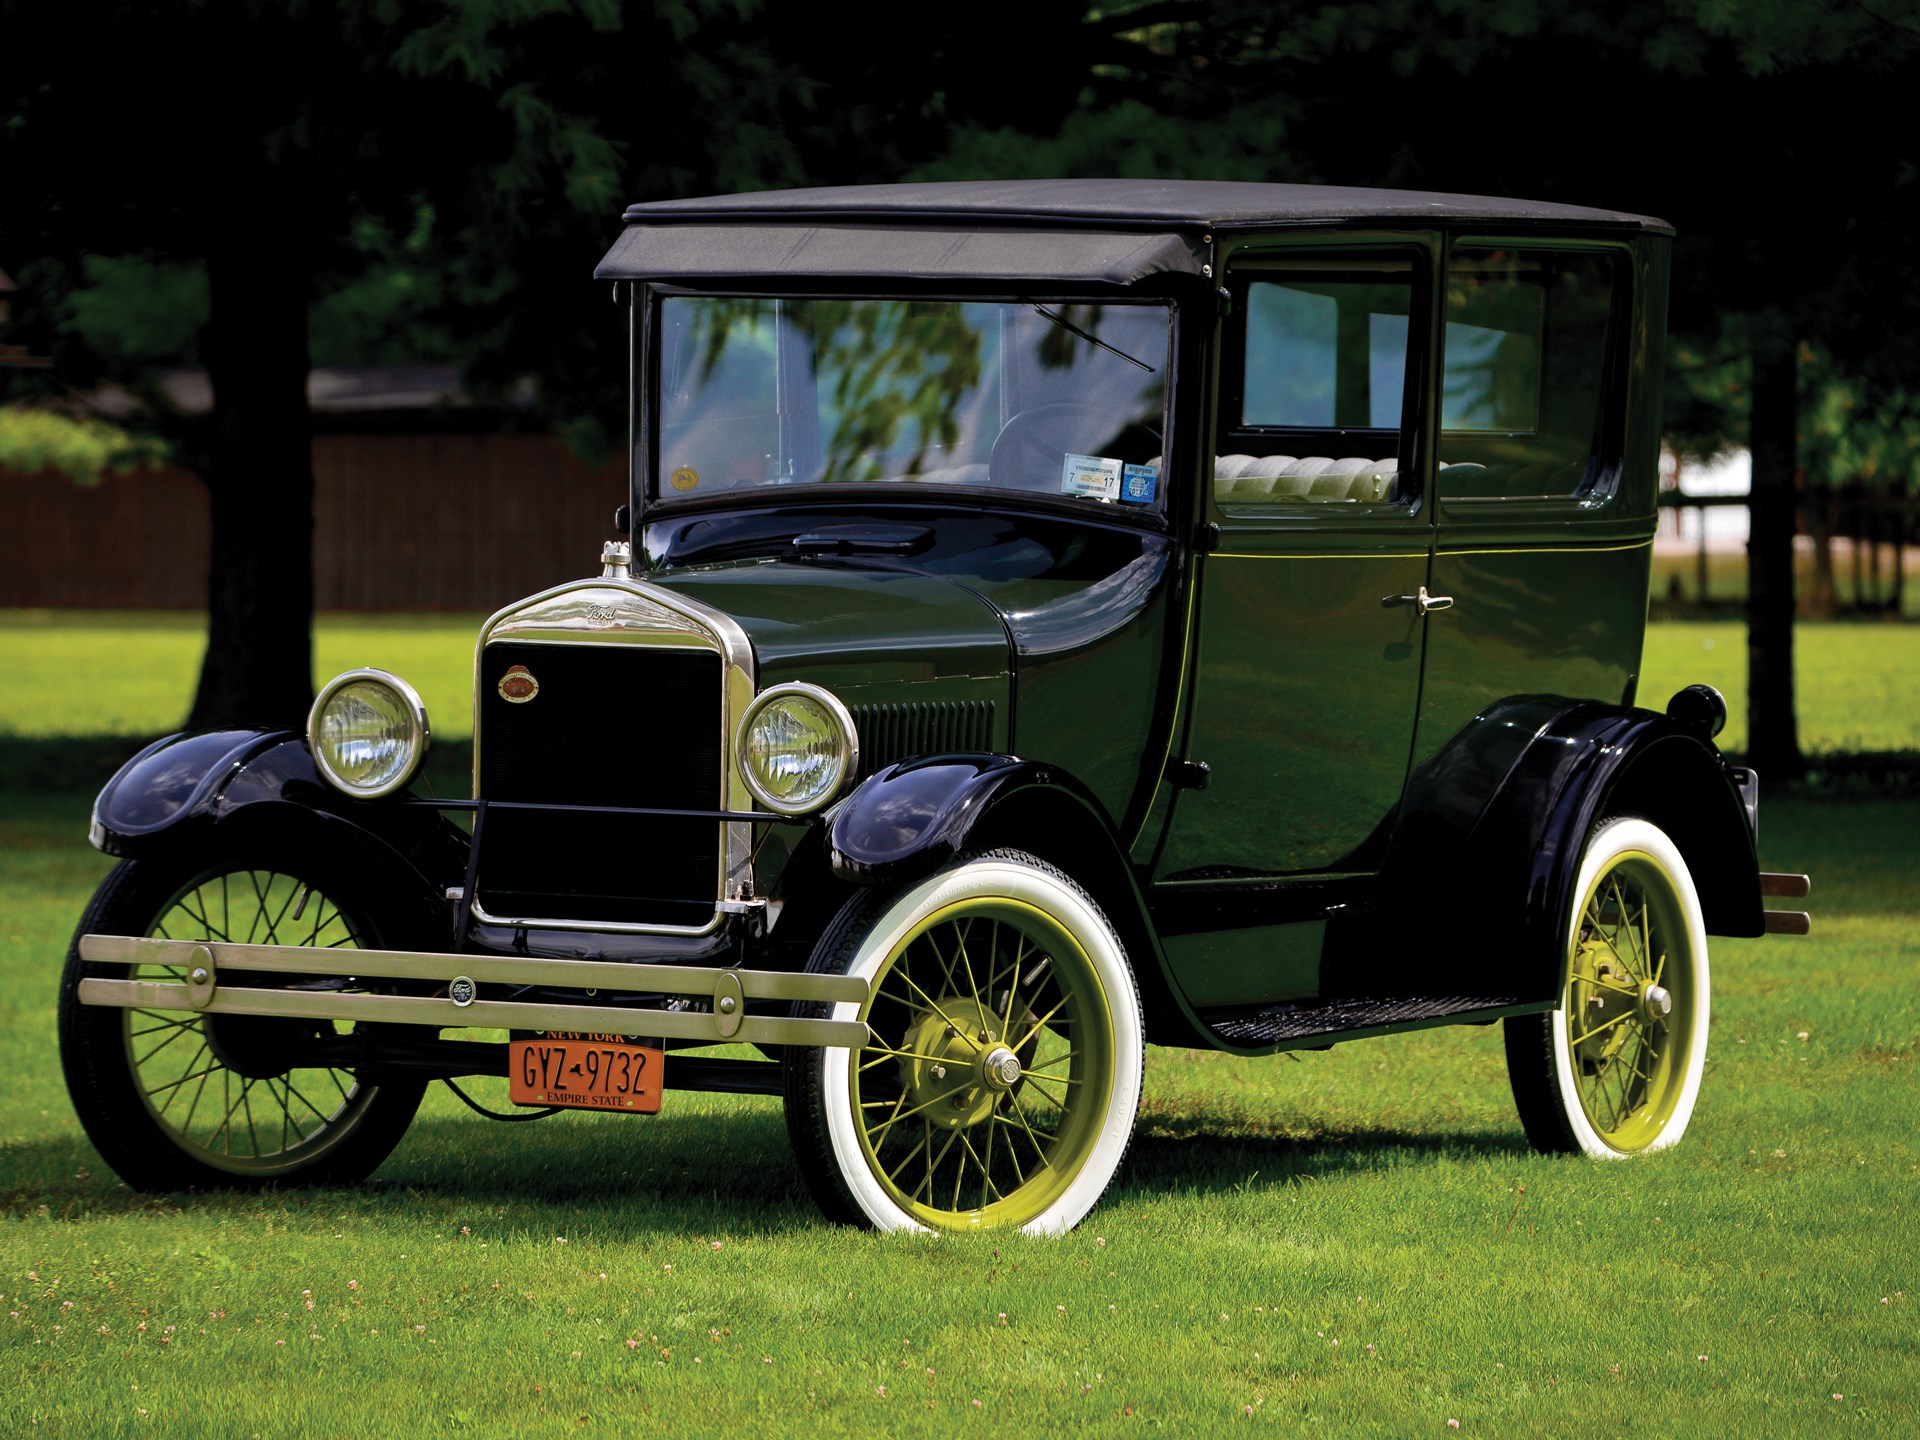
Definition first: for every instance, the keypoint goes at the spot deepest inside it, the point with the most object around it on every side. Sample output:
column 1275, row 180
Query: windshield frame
column 648, row 494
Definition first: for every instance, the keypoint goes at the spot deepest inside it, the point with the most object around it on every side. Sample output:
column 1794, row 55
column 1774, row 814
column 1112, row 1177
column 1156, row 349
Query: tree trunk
column 258, row 668
column 1773, row 742
column 1824, row 602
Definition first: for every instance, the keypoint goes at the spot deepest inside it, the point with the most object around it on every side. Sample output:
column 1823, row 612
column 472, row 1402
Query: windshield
column 1044, row 397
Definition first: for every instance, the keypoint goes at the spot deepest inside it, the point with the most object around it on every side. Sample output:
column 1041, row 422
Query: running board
column 1301, row 1025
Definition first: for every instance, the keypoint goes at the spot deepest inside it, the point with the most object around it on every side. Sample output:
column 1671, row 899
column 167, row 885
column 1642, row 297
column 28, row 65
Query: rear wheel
column 178, row 1099
column 1616, row 1069
column 1000, row 1082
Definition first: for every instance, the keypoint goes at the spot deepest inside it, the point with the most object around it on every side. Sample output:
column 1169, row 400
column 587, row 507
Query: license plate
column 585, row 1071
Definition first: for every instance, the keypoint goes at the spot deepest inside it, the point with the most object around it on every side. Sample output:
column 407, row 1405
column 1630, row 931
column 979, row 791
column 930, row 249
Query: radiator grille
column 610, row 725
column 929, row 727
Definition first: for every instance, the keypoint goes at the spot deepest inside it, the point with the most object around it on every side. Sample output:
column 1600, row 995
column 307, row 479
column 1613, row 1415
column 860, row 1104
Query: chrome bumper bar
column 205, row 970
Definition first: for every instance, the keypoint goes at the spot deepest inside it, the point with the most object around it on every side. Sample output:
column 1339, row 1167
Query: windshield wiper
column 1073, row 329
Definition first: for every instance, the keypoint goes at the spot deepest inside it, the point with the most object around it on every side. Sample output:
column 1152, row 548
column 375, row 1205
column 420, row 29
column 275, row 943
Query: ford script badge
column 518, row 686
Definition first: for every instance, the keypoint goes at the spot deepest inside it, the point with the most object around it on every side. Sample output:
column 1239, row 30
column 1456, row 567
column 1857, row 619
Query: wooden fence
column 447, row 521
column 401, row 522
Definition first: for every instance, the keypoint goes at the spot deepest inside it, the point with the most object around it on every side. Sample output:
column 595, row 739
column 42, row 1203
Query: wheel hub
column 260, row 1047
column 959, row 1069
column 1604, row 994
column 1655, row 1003
column 1000, row 1068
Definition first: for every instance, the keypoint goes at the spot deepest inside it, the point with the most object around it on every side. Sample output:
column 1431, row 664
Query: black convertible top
column 1117, row 231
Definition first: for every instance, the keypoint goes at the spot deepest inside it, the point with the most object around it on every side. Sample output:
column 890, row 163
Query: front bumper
column 213, row 978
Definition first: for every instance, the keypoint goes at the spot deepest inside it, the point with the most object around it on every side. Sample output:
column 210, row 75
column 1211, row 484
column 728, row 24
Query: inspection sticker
column 1138, row 483
column 1093, row 476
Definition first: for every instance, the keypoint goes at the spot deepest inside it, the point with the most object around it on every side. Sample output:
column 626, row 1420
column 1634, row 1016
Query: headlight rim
column 416, row 712
column 842, row 718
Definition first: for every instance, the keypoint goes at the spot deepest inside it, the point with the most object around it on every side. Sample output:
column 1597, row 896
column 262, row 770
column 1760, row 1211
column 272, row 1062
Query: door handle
column 1421, row 603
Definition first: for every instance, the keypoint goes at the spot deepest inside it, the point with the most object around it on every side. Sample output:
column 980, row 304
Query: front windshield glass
column 1049, row 397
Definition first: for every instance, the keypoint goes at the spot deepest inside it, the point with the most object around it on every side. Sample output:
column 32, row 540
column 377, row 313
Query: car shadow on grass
column 1208, row 1155
column 628, row 1179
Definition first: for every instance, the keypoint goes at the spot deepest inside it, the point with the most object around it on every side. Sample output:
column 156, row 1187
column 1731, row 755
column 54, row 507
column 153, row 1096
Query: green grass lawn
column 77, row 672
column 1357, row 1243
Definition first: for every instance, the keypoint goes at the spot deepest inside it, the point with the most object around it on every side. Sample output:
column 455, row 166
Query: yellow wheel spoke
column 1041, row 1023
column 879, row 1130
column 934, row 1006
column 1061, row 1059
column 1040, row 1082
column 926, row 1139
column 1012, row 1158
column 1599, row 1030
column 1020, row 1111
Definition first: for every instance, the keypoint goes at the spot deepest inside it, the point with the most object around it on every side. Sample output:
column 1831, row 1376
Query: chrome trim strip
column 439, row 965
column 219, row 995
column 605, row 927
column 612, row 610
column 479, row 1014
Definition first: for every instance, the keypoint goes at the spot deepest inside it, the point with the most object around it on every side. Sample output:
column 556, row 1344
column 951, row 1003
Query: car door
column 1544, row 518
column 1303, row 684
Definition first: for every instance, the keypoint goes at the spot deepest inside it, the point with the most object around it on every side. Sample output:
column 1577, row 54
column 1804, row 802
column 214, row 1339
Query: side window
column 1315, row 381
column 1527, row 357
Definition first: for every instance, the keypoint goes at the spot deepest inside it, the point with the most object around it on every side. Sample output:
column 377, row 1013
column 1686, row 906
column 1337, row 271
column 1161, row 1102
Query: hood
column 845, row 624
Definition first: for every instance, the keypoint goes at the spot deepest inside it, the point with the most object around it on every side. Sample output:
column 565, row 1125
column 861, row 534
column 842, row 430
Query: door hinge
column 1187, row 774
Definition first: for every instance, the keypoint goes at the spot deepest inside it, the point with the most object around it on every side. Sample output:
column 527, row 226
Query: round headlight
column 368, row 731
column 797, row 747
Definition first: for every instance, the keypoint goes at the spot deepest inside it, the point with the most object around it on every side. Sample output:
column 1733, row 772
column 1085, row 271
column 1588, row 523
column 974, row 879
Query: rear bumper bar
column 212, row 976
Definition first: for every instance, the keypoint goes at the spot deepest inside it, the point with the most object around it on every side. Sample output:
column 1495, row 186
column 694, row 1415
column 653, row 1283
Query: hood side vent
column 890, row 733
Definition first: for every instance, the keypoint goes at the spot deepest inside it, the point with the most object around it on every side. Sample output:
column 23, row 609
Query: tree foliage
column 1774, row 134
column 433, row 179
column 81, row 448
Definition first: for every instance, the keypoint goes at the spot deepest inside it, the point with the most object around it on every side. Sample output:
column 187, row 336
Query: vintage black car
column 1060, row 617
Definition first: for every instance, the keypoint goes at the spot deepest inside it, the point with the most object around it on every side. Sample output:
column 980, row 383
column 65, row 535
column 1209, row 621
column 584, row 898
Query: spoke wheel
column 180, row 1098
column 1616, row 1070
column 999, row 1084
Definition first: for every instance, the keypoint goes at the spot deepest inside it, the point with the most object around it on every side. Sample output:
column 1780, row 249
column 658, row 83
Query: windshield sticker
column 1138, row 483
column 1093, row 476
column 685, row 478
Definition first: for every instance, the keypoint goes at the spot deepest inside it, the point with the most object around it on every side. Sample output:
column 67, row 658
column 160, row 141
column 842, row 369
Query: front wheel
column 1616, row 1069
column 1000, row 1080
column 181, row 1099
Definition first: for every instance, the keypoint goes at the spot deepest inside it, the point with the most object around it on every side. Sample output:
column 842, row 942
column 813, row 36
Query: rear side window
column 1528, row 355
column 1315, row 385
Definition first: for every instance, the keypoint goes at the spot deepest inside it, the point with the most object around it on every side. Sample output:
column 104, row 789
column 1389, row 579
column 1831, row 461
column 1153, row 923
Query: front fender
column 1479, row 880
column 909, row 819
column 178, row 780
column 235, row 783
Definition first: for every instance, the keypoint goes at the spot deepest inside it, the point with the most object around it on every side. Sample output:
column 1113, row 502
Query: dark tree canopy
column 1776, row 137
column 284, row 162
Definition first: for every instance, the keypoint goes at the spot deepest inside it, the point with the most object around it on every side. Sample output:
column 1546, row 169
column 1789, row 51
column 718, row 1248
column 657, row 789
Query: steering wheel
column 1029, row 450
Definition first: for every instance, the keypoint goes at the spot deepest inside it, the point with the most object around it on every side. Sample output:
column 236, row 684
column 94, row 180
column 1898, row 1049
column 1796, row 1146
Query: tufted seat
column 1265, row 479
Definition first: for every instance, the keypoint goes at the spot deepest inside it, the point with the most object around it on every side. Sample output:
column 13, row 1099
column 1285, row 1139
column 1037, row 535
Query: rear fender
column 1479, row 881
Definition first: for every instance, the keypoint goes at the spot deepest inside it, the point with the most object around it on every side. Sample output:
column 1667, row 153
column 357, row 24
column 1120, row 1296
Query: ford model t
column 1058, row 618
